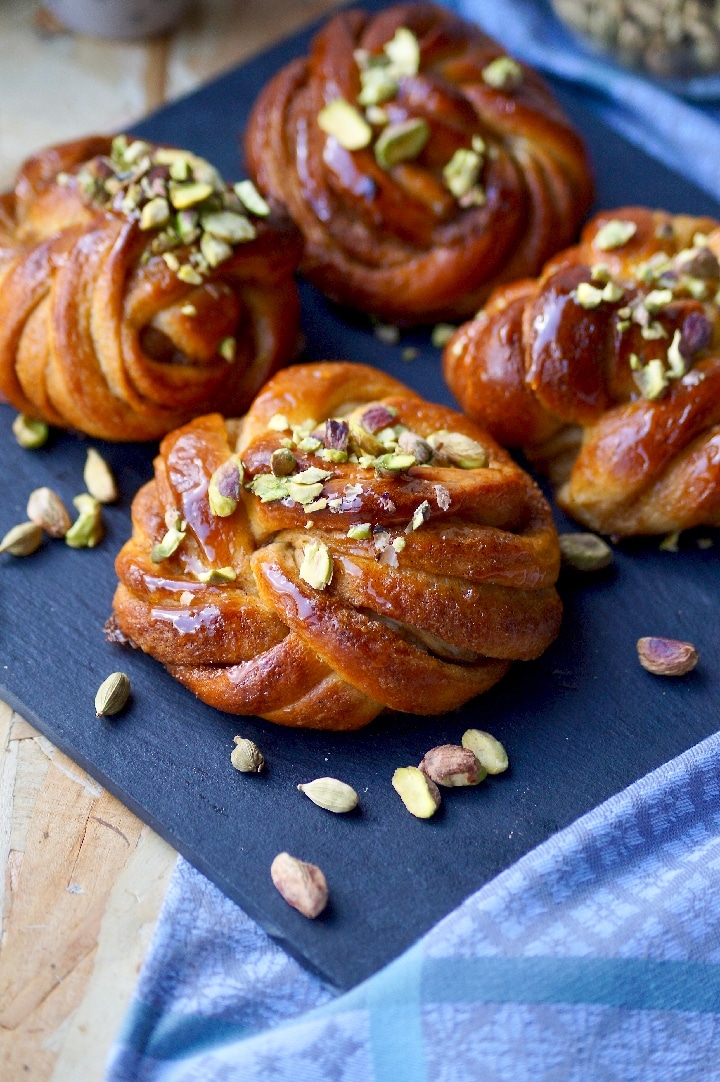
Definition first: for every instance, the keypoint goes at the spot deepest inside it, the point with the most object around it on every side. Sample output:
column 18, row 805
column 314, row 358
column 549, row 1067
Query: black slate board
column 580, row 724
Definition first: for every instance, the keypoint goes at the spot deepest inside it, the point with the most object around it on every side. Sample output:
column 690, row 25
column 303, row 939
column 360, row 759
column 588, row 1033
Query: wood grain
column 83, row 879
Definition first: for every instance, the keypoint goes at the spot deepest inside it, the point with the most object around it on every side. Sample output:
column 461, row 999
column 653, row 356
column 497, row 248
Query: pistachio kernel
column 420, row 515
column 403, row 51
column 282, row 462
column 676, row 361
column 225, row 486
column 651, row 380
column 345, row 123
column 45, row 508
column 488, row 751
column 112, row 695
column 418, row 792
column 228, row 226
column 302, row 885
column 330, row 794
column 666, row 657
column 441, row 334
column 268, row 488
column 171, row 541
column 216, row 576
column 614, row 234
column 187, row 195
column 451, row 766
column 361, row 531
column 155, row 213
column 22, row 540
column 316, row 568
column 30, row 432
column 461, row 450
column 462, row 172
column 246, row 756
column 584, row 551
column 88, row 529
column 250, row 197
column 503, row 73
column 401, row 142
column 99, row 478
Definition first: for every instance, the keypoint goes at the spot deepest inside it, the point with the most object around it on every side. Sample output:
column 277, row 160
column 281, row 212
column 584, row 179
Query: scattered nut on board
column 666, row 657
column 112, row 694
column 302, row 885
column 418, row 792
column 330, row 794
column 451, row 765
column 584, row 551
column 489, row 752
column 246, row 756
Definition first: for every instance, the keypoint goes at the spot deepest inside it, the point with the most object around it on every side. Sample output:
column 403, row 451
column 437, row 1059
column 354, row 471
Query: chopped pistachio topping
column 303, row 493
column 461, row 450
column 360, row 531
column 614, row 234
column 600, row 272
column 224, row 487
column 30, row 432
column 189, row 195
column 387, row 333
column 653, row 331
column 216, row 575
column 171, row 541
column 651, row 379
column 251, row 199
column 462, row 172
column 229, row 226
column 676, row 361
column 346, row 124
column 658, row 299
column 401, row 142
column 282, row 462
column 228, row 349
column 420, row 515
column 378, row 85
column 317, row 566
column 399, row 543
column 589, row 296
column 278, row 423
column 441, row 334
column 503, row 73
column 392, row 464
column 88, row 529
column 214, row 250
column 403, row 51
column 155, row 213
column 189, row 275
column 269, row 488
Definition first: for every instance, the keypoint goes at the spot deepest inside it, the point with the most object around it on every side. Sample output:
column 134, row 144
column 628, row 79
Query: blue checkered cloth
column 595, row 958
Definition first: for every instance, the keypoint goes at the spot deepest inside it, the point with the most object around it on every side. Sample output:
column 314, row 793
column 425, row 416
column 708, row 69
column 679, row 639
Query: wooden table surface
column 84, row 879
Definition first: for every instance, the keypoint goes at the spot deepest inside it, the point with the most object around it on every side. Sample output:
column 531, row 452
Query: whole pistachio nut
column 584, row 551
column 302, row 885
column 330, row 794
column 225, row 486
column 87, row 530
column 112, row 694
column 418, row 792
column 22, row 540
column 451, row 765
column 666, row 657
column 99, row 479
column 246, row 756
column 49, row 512
column 30, row 432
column 282, row 462
column 489, row 752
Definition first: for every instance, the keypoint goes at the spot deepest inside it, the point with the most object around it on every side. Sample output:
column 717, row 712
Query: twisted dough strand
column 569, row 383
column 395, row 241
column 421, row 628
column 97, row 330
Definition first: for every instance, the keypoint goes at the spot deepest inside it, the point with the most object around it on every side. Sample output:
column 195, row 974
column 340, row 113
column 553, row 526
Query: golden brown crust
column 569, row 382
column 396, row 242
column 419, row 627
column 98, row 332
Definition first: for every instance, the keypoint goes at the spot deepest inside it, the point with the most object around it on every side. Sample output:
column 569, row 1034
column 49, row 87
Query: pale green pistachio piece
column 418, row 792
column 503, row 73
column 228, row 226
column 462, row 172
column 155, row 213
column 228, row 349
column 584, row 551
column 462, row 451
column 269, row 488
column 316, row 568
column 187, row 195
column 346, row 124
column 657, row 299
column 214, row 250
column 488, row 751
column 614, row 234
column 395, row 463
column 378, row 85
column 172, row 261
column 651, row 379
column 189, row 275
column 304, row 493
column 282, row 462
column 361, row 531
column 653, row 332
column 399, row 543
column 676, row 361
column 310, row 443
column 169, row 544
column 216, row 575
column 29, row 432
column 588, row 296
column 441, row 334
column 250, row 198
column 312, row 475
column 420, row 515
column 401, row 142
column 612, row 292
column 278, row 423
column 403, row 51
column 224, row 487
column 87, row 531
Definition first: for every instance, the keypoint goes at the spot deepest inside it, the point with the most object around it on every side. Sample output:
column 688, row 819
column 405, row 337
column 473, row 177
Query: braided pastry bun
column 606, row 372
column 137, row 290
column 422, row 165
column 344, row 549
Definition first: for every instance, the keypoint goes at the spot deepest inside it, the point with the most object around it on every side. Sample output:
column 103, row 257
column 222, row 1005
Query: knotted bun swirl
column 413, row 589
column 122, row 328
